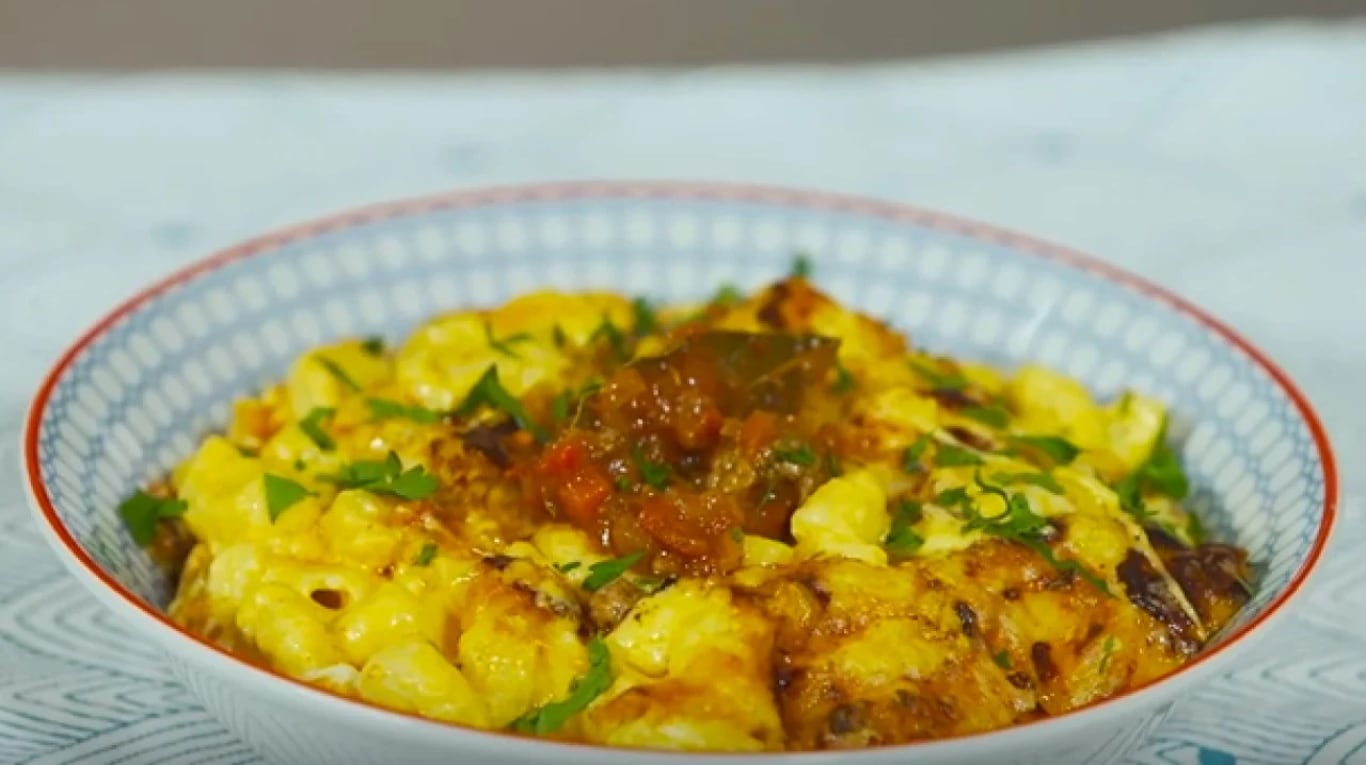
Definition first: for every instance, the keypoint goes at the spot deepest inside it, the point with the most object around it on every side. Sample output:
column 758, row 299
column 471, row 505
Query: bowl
column 133, row 395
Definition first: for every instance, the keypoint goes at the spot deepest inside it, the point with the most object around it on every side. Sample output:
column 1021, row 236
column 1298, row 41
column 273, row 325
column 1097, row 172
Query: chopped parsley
column 654, row 474
column 901, row 538
column 1020, row 524
column 559, row 406
column 951, row 498
column 557, row 334
column 142, row 511
column 504, row 345
column 386, row 477
column 948, row 455
column 832, row 464
column 615, row 339
column 336, row 371
column 1002, row 659
column 426, row 555
column 605, row 572
column 551, row 717
column 1042, row 480
column 1058, row 449
column 1107, row 652
column 645, row 320
column 844, row 379
column 1160, row 473
column 373, row 345
column 1195, row 530
column 312, row 426
column 937, row 379
column 282, row 494
column 993, row 416
column 910, row 459
column 565, row 568
column 737, row 534
column 801, row 454
column 489, row 392
column 726, row 295
column 801, row 266
column 385, row 409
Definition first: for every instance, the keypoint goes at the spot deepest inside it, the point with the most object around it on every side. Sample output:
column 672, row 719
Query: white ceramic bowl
column 134, row 394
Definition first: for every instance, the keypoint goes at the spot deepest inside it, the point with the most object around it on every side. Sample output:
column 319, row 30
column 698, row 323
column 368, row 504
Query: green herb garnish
column 901, row 538
column 603, row 573
column 1107, row 651
column 910, row 459
column 832, row 464
column 488, row 392
column 939, row 380
column 565, row 568
column 1160, row 473
column 504, row 345
column 1002, row 659
column 426, row 555
column 551, row 717
column 373, row 345
column 844, row 380
column 644, row 314
column 801, row 454
column 1195, row 530
column 726, row 295
column 1058, row 449
column 559, row 406
column 384, row 409
column 737, row 534
column 615, row 339
column 312, row 426
column 948, row 455
column 951, row 498
column 336, row 371
column 142, row 511
column 386, row 477
column 557, row 334
column 1020, row 524
column 801, row 266
column 652, row 473
column 281, row 494
column 1042, row 480
column 993, row 416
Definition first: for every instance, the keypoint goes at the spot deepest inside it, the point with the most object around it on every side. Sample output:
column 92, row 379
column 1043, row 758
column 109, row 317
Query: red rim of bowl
column 678, row 190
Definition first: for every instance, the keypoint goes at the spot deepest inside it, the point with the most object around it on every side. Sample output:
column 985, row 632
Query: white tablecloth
column 1228, row 164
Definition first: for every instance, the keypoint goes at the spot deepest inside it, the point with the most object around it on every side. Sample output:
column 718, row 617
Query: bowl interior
column 135, row 398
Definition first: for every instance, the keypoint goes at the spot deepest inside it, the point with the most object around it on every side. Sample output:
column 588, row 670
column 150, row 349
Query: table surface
column 1228, row 164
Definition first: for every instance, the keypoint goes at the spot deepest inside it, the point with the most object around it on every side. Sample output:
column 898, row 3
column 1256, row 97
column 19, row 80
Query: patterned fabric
column 76, row 686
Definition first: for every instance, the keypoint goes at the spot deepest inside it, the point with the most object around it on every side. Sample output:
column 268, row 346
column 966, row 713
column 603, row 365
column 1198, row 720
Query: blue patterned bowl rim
column 93, row 575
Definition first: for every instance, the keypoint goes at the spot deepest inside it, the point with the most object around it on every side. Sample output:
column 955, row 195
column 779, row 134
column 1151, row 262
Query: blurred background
column 446, row 34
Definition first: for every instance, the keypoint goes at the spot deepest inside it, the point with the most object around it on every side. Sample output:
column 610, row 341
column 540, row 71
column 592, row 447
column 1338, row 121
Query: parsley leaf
column 1195, row 530
column 141, row 512
column 489, row 392
column 565, row 568
column 557, row 334
column 801, row 265
column 1163, row 472
column 737, row 535
column 1020, row 524
column 652, row 473
column 645, row 320
column 615, row 339
column 603, row 573
column 844, row 379
column 726, row 295
column 901, row 538
column 281, row 494
column 386, row 477
column 993, row 416
column 384, row 409
column 910, row 459
column 800, row 454
column 551, row 717
column 937, row 379
column 426, row 555
column 373, row 345
column 336, row 371
column 1042, row 480
column 312, row 426
column 951, row 498
column 504, row 345
column 559, row 406
column 1002, row 659
column 1058, row 449
column 1107, row 651
column 948, row 455
column 832, row 464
